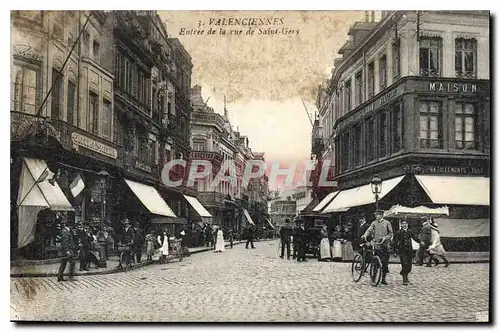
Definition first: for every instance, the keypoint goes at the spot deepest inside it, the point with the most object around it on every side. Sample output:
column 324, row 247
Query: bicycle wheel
column 375, row 271
column 123, row 264
column 357, row 267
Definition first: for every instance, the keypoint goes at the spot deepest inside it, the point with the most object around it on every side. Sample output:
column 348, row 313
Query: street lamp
column 376, row 184
column 103, row 176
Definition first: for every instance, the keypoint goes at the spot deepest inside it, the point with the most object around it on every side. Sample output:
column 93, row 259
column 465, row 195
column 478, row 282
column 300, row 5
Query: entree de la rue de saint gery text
column 272, row 25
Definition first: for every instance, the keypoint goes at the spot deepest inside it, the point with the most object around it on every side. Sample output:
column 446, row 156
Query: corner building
column 410, row 101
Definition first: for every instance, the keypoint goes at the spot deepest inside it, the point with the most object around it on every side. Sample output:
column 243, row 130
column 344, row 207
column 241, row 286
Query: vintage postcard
column 250, row 166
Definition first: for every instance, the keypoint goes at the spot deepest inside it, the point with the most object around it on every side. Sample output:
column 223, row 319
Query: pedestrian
column 208, row 236
column 250, row 235
column 138, row 242
column 110, row 241
column 324, row 246
column 68, row 248
column 163, row 241
column 150, row 247
column 286, row 238
column 337, row 236
column 219, row 242
column 301, row 242
column 381, row 232
column 294, row 241
column 127, row 240
column 436, row 248
column 85, row 239
column 425, row 241
column 363, row 226
column 231, row 238
column 403, row 246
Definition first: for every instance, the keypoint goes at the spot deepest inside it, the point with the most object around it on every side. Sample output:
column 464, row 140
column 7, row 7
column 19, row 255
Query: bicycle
column 126, row 257
column 360, row 264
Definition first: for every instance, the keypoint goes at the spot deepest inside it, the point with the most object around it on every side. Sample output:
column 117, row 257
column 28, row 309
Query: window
column 357, row 144
column 25, row 89
column 370, row 142
column 371, row 79
column 118, row 68
column 430, row 57
column 341, row 102
column 58, row 26
column 430, row 125
column 358, row 81
column 95, row 50
column 382, row 135
column 86, row 40
column 93, row 113
column 396, row 59
column 465, row 58
column 382, row 71
column 345, row 151
column 465, row 126
column 106, row 116
column 140, row 84
column 397, row 124
column 56, row 94
column 71, row 102
column 348, row 95
column 199, row 146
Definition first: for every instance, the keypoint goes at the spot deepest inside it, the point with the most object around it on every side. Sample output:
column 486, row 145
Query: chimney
column 225, row 109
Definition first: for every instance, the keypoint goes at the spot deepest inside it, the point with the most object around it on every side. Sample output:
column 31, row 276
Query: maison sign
column 452, row 87
column 93, row 145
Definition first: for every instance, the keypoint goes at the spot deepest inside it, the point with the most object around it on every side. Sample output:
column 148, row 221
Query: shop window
column 397, row 128
column 430, row 125
column 370, row 142
column 465, row 126
column 25, row 87
column 348, row 96
column 357, row 144
column 56, row 95
column 345, row 151
column 396, row 59
column 371, row 79
column 465, row 58
column 430, row 57
column 358, row 81
column 382, row 70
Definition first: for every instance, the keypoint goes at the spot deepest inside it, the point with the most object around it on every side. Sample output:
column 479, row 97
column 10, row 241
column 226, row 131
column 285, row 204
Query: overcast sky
column 265, row 77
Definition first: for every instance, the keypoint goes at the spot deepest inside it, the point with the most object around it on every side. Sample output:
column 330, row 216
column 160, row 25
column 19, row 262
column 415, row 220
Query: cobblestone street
column 255, row 285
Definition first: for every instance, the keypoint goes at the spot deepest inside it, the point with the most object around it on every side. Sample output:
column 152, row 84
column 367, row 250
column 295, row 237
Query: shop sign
column 142, row 166
column 93, row 145
column 452, row 87
column 460, row 170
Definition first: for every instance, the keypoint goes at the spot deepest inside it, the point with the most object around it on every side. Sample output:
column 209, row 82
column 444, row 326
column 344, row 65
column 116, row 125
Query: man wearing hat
column 285, row 236
column 362, row 227
column 127, row 235
column 69, row 250
column 381, row 232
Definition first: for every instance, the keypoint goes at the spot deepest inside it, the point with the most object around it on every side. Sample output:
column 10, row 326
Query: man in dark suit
column 285, row 236
column 69, row 249
column 363, row 226
column 85, row 244
column 250, row 235
column 425, row 242
column 138, row 242
column 402, row 245
column 127, row 238
column 301, row 242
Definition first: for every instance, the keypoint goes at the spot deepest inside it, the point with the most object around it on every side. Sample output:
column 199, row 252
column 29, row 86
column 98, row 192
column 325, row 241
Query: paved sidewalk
column 50, row 270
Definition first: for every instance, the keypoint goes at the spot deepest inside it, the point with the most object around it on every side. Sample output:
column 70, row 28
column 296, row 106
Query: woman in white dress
column 219, row 243
column 163, row 241
column 436, row 248
column 324, row 246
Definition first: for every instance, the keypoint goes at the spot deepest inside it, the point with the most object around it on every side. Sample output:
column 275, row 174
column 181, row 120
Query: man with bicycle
column 381, row 232
column 127, row 240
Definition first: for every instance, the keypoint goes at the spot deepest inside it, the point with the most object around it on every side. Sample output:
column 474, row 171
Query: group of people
column 296, row 237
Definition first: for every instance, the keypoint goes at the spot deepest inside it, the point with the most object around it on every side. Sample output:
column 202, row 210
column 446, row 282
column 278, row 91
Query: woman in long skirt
column 163, row 240
column 436, row 249
column 219, row 242
column 324, row 246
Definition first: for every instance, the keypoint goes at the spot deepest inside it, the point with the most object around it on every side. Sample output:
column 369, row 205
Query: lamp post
column 376, row 184
column 103, row 176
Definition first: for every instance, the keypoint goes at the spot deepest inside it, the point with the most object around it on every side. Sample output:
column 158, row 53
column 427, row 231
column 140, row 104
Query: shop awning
column 168, row 220
column 151, row 199
column 399, row 211
column 358, row 196
column 43, row 193
column 312, row 204
column 200, row 209
column 458, row 228
column 247, row 216
column 463, row 190
column 325, row 201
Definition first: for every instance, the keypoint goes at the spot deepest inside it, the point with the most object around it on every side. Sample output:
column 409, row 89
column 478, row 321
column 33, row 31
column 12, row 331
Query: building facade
column 281, row 210
column 410, row 101
column 92, row 97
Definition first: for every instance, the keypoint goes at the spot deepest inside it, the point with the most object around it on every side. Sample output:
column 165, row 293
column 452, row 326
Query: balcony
column 139, row 165
column 211, row 198
column 206, row 155
column 206, row 118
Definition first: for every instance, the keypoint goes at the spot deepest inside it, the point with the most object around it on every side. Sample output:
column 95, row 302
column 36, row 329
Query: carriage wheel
column 375, row 271
column 357, row 267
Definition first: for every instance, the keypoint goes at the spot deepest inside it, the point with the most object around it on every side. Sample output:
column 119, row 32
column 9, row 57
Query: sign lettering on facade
column 93, row 145
column 452, row 87
column 142, row 166
column 463, row 170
